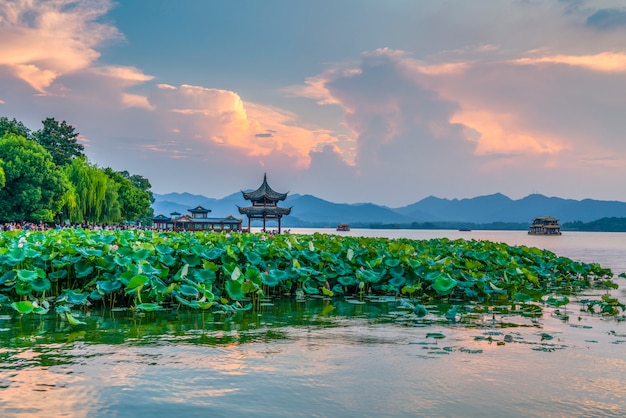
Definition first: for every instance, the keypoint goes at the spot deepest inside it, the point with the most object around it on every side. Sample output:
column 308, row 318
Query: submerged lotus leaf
column 73, row 320
column 148, row 307
column 443, row 285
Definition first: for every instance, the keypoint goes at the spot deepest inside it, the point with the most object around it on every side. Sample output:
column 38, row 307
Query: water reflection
column 314, row 358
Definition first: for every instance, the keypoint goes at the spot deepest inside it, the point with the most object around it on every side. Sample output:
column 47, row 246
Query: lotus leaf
column 23, row 307
column 443, row 285
column 188, row 291
column 137, row 282
column 148, row 307
column 347, row 280
column 234, row 290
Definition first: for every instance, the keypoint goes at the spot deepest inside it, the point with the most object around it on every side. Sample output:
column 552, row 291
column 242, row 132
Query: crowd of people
column 31, row 226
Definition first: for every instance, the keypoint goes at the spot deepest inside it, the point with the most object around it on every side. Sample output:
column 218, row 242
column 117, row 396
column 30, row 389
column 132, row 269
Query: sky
column 352, row 100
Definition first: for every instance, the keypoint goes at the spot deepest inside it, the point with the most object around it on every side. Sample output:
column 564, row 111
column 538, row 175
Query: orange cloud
column 609, row 62
column 220, row 117
column 501, row 133
column 42, row 40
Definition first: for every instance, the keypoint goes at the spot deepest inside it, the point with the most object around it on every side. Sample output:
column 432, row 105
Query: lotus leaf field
column 72, row 269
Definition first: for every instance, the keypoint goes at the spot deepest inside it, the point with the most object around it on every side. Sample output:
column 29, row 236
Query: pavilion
column 198, row 220
column 264, row 204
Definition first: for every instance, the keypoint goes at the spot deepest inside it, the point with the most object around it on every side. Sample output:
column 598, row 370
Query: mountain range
column 311, row 211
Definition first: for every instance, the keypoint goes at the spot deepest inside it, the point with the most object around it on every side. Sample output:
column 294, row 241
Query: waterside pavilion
column 198, row 220
column 264, row 204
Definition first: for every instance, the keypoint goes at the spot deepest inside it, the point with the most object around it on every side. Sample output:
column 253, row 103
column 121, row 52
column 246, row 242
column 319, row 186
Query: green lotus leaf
column 29, row 275
column 23, row 307
column 83, row 268
column 188, row 291
column 420, row 311
column 369, row 276
column 392, row 262
column 346, row 280
column 123, row 261
column 8, row 277
column 443, row 285
column 204, row 276
column 522, row 297
column 57, row 274
column 234, row 290
column 273, row 277
column 435, row 335
column 73, row 320
column 40, row 285
column 148, row 307
column 23, row 288
column 109, row 286
column 167, row 260
column 137, row 282
column 214, row 253
column 397, row 281
column 163, row 249
column 41, row 310
column 310, row 287
column 254, row 258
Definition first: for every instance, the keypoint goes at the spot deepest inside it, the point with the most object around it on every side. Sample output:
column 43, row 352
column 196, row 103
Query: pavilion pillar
column 279, row 224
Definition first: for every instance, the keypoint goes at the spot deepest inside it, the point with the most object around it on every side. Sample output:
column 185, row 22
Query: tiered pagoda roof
column 265, row 193
column 264, row 207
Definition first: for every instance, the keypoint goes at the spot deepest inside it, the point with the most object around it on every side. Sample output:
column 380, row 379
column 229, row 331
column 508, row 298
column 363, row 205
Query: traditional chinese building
column 545, row 225
column 264, row 204
column 197, row 220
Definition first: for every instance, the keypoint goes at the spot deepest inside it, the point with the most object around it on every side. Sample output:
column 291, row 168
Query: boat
column 545, row 225
column 465, row 229
column 343, row 227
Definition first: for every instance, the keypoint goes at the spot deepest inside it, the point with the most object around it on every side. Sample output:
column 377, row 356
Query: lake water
column 327, row 359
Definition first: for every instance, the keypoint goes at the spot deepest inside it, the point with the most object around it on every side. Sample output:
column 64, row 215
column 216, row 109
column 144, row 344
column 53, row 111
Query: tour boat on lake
column 545, row 225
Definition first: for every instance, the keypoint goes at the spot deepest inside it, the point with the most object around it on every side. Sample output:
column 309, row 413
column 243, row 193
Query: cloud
column 607, row 19
column 610, row 62
column 42, row 40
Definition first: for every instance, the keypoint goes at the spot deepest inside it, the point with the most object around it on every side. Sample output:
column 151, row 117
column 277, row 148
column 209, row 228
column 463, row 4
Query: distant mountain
column 312, row 211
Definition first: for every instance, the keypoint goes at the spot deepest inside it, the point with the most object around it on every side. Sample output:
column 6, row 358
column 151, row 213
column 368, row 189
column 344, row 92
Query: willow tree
column 95, row 194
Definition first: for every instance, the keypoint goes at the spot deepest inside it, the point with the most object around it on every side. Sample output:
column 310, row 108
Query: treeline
column 600, row 225
column 46, row 177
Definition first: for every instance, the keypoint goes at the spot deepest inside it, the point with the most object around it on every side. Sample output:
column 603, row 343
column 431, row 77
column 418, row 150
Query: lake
column 322, row 358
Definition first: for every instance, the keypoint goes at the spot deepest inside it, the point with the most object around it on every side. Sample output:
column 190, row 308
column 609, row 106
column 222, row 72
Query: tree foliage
column 35, row 186
column 45, row 176
column 95, row 194
column 13, row 127
column 135, row 196
column 60, row 140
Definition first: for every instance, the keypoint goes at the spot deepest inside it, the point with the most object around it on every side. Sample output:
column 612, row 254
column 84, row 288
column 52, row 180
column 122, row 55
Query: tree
column 95, row 196
column 60, row 140
column 34, row 187
column 135, row 196
column 13, row 127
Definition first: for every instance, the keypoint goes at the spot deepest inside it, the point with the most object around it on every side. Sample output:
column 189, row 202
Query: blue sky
column 349, row 100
